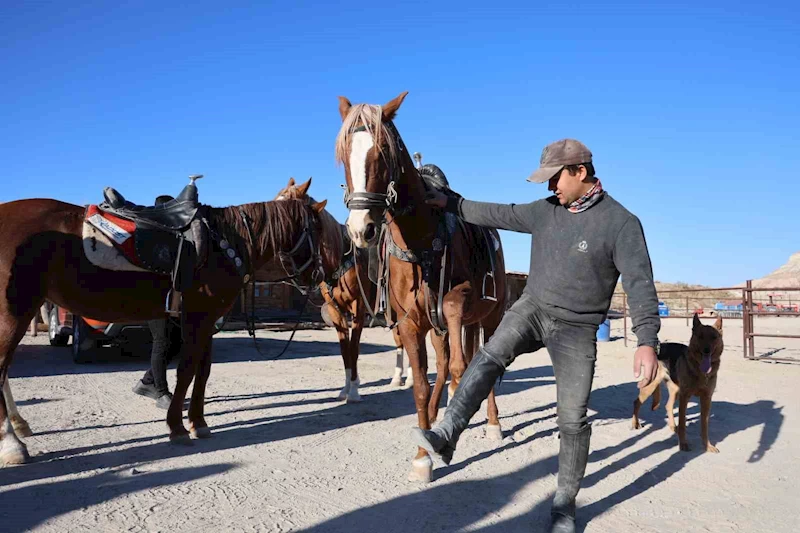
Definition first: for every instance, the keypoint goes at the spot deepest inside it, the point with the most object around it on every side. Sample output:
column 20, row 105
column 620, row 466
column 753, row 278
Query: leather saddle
column 486, row 239
column 170, row 238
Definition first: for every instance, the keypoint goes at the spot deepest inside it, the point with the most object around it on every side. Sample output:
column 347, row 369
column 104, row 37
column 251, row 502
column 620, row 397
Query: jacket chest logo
column 583, row 247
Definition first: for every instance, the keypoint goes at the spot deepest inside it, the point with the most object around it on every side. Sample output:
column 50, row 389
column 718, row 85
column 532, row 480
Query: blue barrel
column 604, row 331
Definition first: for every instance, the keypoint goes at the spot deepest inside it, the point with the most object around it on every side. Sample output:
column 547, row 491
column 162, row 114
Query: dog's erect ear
column 718, row 325
column 696, row 322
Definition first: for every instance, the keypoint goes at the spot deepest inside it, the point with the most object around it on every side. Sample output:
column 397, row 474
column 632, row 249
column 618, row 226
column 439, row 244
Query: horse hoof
column 396, row 382
column 15, row 456
column 21, row 427
column 421, row 470
column 354, row 398
column 409, row 384
column 343, row 394
column 494, row 432
column 200, row 433
column 182, row 439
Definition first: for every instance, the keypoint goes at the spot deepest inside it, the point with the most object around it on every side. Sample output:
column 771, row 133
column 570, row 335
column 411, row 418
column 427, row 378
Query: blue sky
column 691, row 111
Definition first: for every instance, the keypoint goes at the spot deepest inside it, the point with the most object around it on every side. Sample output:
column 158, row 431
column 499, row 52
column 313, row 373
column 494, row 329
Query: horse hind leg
column 12, row 329
column 440, row 346
column 21, row 427
column 353, row 396
column 493, row 429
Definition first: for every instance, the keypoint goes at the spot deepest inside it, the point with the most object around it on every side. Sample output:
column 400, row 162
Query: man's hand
column 437, row 199
column 645, row 364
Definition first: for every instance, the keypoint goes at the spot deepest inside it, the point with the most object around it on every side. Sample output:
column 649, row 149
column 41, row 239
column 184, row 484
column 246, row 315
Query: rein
column 316, row 256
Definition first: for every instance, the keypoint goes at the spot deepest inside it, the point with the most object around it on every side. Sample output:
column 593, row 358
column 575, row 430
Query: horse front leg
column 414, row 343
column 197, row 423
column 357, row 310
column 192, row 353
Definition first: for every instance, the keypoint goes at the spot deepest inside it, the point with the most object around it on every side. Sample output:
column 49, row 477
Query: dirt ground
column 285, row 455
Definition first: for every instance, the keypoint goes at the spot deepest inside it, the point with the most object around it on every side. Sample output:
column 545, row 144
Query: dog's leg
column 673, row 392
column 705, row 415
column 683, row 401
column 644, row 394
column 656, row 398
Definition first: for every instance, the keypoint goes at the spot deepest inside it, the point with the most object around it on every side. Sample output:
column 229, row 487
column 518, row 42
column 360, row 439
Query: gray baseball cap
column 557, row 155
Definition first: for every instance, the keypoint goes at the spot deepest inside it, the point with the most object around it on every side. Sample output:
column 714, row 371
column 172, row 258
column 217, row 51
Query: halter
column 375, row 200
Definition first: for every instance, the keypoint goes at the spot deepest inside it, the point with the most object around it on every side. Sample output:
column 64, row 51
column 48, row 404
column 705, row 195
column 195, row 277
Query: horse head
column 374, row 159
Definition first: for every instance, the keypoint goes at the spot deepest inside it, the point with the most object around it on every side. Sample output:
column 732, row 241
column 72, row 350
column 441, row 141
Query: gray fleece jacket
column 577, row 258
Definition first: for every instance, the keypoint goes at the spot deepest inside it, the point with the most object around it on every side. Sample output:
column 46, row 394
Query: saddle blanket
column 108, row 241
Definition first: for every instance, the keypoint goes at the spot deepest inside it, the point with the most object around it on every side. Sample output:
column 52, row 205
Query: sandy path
column 286, row 456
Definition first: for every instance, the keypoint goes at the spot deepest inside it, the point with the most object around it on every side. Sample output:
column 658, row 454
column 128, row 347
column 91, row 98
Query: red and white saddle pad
column 108, row 241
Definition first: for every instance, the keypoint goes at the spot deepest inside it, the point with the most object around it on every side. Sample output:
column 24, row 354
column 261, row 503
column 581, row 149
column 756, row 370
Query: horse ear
column 291, row 182
column 390, row 109
column 302, row 189
column 319, row 206
column 344, row 107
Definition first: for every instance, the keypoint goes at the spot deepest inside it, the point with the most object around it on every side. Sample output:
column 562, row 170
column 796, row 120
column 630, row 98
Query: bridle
column 289, row 264
column 308, row 240
column 386, row 201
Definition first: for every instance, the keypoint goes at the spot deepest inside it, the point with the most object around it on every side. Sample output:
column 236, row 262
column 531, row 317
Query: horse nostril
column 369, row 232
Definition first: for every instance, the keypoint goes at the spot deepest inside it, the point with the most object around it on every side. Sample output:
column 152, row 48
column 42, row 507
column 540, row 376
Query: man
column 166, row 344
column 583, row 240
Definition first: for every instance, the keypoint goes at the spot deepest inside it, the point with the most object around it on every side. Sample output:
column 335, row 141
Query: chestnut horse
column 342, row 295
column 383, row 184
column 42, row 257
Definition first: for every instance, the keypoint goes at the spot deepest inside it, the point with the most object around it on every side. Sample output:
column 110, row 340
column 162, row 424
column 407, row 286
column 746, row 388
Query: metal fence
column 737, row 303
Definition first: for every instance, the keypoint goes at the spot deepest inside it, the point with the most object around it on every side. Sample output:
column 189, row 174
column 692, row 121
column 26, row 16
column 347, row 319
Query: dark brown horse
column 384, row 185
column 42, row 255
column 342, row 295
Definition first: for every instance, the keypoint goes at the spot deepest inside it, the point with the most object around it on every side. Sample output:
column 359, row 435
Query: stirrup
column 169, row 307
column 382, row 300
column 484, row 295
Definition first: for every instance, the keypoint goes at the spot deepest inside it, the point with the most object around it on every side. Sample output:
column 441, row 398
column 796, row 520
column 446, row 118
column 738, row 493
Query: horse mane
column 332, row 241
column 371, row 118
column 279, row 222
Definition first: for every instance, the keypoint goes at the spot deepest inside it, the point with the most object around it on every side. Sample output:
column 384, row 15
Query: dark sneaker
column 163, row 401
column 143, row 389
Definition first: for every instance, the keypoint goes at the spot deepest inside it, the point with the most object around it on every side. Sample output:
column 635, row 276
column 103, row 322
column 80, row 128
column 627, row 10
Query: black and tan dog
column 689, row 371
